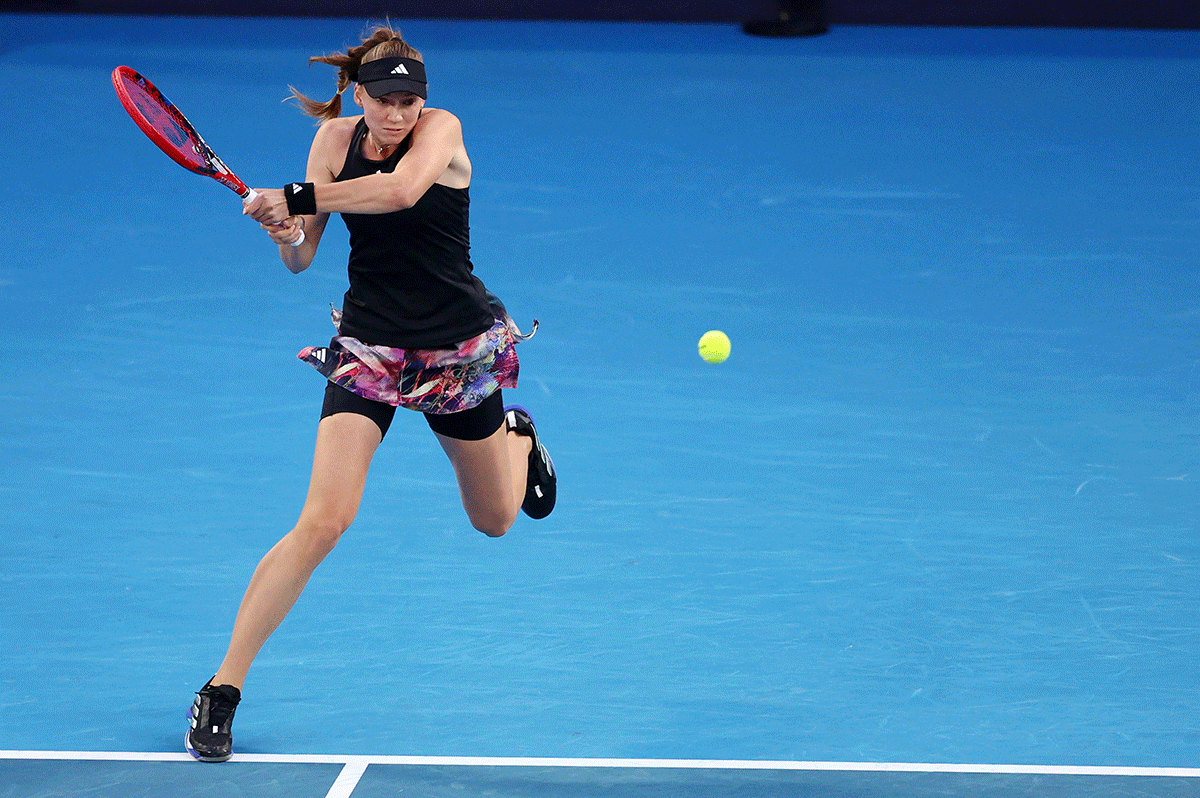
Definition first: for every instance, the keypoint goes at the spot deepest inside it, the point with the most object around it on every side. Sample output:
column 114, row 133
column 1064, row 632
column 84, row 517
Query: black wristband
column 301, row 198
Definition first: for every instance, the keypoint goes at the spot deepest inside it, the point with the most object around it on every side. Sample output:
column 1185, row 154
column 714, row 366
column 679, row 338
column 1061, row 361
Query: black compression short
column 468, row 425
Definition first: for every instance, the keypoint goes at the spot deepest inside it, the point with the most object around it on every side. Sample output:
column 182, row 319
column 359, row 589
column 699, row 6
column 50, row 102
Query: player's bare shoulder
column 441, row 129
column 336, row 132
column 439, row 120
column 331, row 142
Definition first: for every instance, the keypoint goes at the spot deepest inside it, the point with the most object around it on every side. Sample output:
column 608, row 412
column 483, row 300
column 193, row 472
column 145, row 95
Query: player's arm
column 436, row 140
column 298, row 258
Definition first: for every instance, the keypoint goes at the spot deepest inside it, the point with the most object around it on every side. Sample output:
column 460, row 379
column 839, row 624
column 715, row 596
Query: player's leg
column 494, row 461
column 541, row 482
column 346, row 442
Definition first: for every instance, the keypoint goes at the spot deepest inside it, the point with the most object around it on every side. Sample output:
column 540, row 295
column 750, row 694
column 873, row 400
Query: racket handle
column 252, row 195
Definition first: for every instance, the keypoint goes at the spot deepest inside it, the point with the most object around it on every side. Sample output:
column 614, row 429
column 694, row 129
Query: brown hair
column 384, row 42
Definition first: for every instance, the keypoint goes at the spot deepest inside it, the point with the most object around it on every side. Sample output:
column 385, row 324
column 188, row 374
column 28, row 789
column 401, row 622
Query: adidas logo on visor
column 399, row 70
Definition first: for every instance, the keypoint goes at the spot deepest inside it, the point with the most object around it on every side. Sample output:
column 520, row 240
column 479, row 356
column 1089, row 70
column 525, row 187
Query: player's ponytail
column 382, row 43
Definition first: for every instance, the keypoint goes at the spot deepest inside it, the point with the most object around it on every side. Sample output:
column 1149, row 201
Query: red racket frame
column 187, row 148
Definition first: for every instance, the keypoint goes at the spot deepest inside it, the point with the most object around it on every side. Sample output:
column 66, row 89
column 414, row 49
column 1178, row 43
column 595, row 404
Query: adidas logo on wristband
column 301, row 199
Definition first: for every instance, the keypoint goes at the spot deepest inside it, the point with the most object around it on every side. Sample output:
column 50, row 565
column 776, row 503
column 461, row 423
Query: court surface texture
column 930, row 531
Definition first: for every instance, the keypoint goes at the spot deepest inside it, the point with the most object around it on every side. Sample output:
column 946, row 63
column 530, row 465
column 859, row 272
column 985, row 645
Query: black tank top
column 411, row 280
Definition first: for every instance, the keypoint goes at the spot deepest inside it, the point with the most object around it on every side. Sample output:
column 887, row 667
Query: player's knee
column 320, row 533
column 493, row 523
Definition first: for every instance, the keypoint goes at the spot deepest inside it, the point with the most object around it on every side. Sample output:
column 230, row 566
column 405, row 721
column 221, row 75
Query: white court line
column 347, row 780
column 353, row 762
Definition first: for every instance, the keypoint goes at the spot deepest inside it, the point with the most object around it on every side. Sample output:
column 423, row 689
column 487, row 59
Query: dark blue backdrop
column 1027, row 13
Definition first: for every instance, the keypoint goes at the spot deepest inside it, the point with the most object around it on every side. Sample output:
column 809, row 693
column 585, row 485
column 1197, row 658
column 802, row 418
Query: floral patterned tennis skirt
column 438, row 381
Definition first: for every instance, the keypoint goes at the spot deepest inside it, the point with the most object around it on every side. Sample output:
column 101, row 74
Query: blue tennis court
column 930, row 530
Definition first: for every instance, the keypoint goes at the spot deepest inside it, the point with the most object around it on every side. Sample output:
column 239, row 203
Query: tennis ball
column 714, row 346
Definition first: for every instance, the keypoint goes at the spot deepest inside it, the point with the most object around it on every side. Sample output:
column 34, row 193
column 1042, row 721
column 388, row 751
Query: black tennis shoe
column 210, row 738
column 541, row 486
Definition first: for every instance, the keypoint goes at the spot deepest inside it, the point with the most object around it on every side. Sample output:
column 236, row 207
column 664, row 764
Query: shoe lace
column 220, row 708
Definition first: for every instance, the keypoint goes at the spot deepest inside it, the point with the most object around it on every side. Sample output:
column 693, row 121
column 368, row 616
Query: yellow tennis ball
column 714, row 346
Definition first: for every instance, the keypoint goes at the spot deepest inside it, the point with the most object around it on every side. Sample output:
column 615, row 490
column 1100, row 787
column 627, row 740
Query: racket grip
column 251, row 196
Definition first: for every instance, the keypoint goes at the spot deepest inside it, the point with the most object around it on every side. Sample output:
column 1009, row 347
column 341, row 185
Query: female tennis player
column 417, row 330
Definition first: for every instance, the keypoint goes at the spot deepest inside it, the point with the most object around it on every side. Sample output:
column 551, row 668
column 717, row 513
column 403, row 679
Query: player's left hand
column 288, row 232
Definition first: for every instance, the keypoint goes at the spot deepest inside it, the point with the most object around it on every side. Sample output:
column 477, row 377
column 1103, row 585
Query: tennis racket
column 167, row 127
